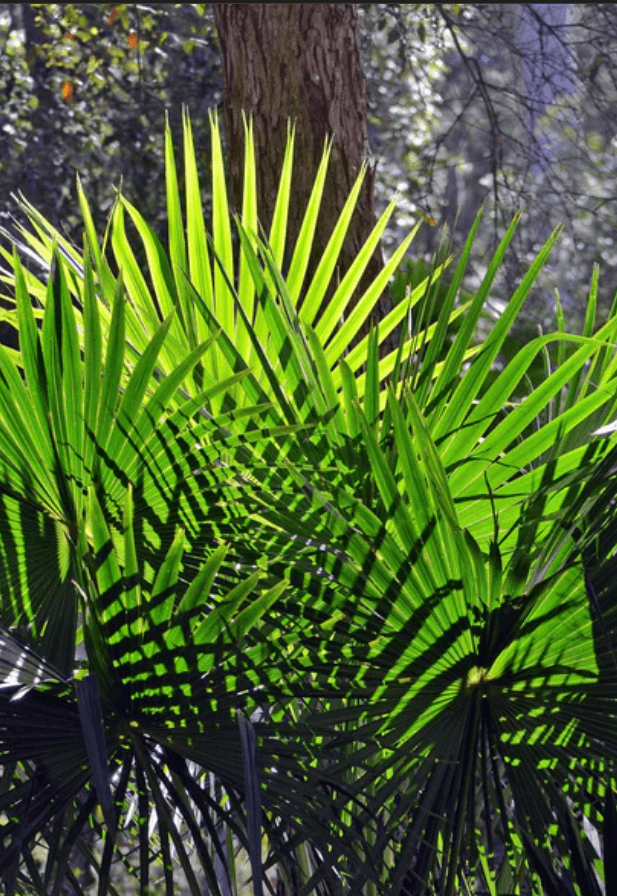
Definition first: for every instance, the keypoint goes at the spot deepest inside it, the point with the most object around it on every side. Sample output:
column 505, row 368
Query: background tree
column 299, row 62
column 511, row 105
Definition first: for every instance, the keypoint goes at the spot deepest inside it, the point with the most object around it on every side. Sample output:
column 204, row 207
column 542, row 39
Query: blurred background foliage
column 82, row 95
column 510, row 105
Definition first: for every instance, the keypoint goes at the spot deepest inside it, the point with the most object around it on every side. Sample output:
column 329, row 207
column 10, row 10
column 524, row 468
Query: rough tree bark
column 299, row 62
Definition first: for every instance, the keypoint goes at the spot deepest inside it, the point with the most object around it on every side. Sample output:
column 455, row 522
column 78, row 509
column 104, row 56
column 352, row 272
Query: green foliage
column 79, row 98
column 274, row 602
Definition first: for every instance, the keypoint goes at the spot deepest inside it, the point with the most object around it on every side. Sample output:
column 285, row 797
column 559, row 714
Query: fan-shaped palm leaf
column 211, row 272
column 416, row 591
column 153, row 724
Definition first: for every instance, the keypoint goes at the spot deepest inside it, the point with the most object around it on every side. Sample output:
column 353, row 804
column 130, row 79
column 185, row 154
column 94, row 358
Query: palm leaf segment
column 434, row 556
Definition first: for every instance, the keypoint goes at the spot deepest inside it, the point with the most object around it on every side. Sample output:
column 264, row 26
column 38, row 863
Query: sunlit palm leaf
column 407, row 590
column 477, row 654
column 213, row 276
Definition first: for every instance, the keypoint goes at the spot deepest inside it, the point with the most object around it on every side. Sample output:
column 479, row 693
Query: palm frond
column 255, row 582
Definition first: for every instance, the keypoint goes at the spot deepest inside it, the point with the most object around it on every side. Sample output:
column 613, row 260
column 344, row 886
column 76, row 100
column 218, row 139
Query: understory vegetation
column 283, row 612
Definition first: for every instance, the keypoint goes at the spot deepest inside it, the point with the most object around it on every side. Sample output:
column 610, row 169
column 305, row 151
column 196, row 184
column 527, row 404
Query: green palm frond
column 212, row 272
column 168, row 671
column 262, row 582
column 486, row 674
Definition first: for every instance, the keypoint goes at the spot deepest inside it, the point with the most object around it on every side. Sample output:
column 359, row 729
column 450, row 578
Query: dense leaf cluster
column 269, row 601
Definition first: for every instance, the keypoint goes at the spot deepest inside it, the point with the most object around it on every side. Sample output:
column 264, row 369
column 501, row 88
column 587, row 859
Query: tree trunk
column 299, row 62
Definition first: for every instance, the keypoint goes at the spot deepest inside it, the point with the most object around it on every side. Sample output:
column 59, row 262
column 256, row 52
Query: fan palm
column 256, row 579
column 120, row 595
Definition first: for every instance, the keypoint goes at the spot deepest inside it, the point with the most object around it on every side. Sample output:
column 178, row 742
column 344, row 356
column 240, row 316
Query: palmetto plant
column 270, row 601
